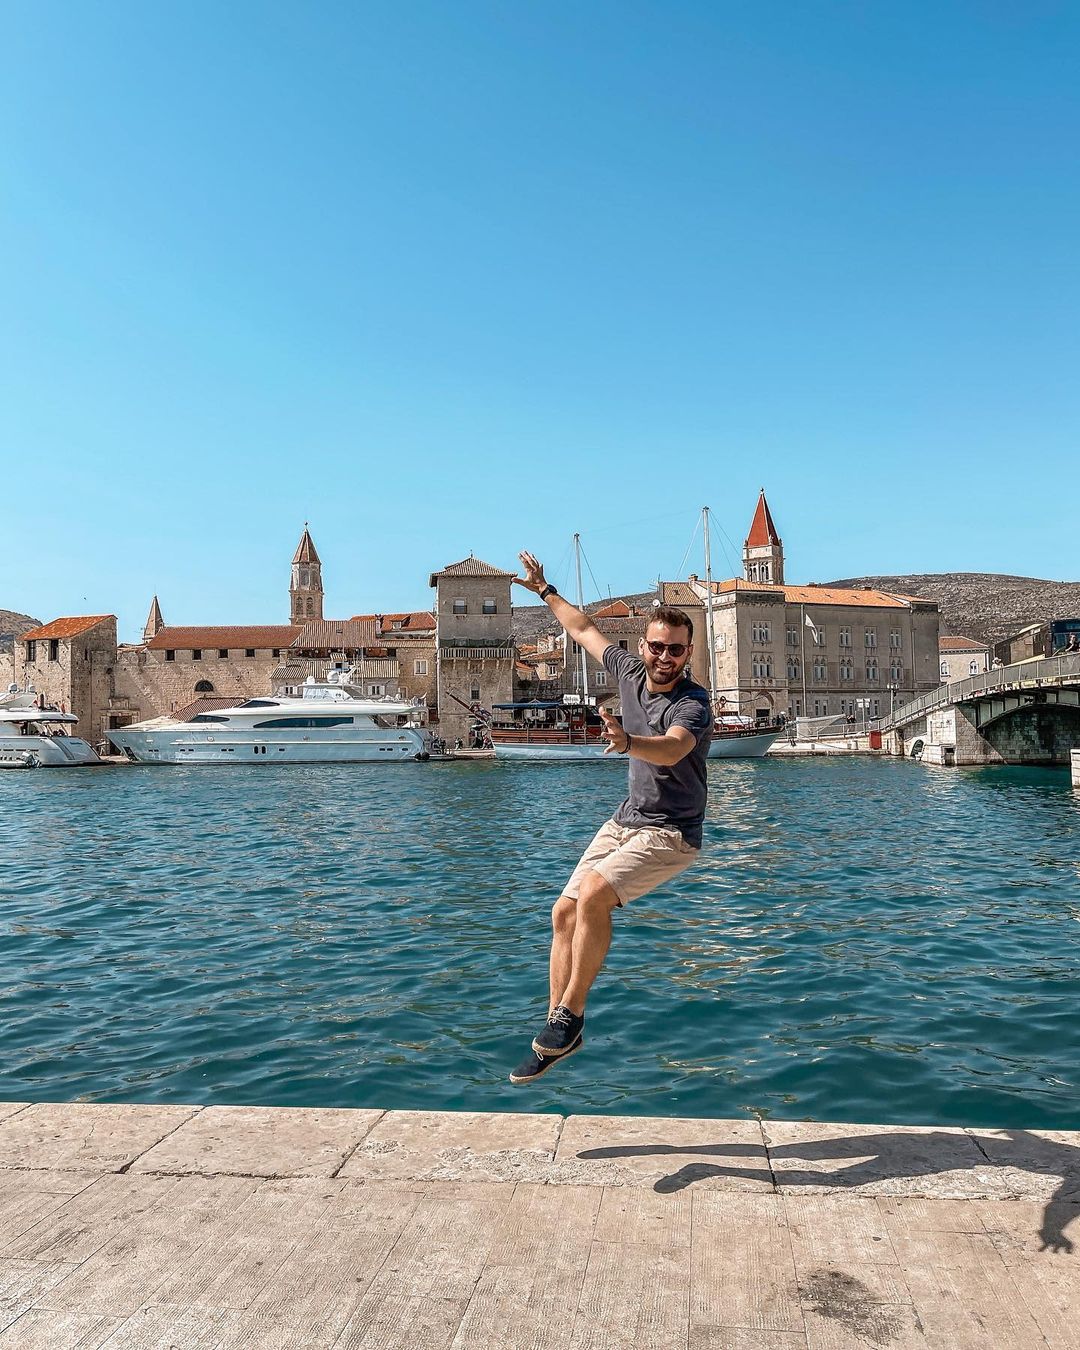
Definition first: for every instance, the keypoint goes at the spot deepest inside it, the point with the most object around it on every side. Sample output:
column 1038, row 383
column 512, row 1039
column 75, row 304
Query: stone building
column 474, row 651
column 959, row 657
column 178, row 665
column 807, row 651
column 389, row 654
column 72, row 662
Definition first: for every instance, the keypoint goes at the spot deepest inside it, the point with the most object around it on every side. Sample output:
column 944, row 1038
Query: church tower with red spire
column 763, row 552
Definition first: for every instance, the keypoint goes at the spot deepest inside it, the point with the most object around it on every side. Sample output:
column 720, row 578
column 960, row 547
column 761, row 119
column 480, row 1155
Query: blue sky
column 443, row 278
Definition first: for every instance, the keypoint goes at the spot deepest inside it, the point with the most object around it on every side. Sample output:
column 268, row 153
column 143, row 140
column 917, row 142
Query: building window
column 31, row 651
column 792, row 635
column 600, row 679
column 821, row 670
column 895, row 639
column 54, row 649
column 846, row 667
column 760, row 631
column 419, row 667
column 204, row 687
column 945, row 669
column 819, row 636
column 870, row 637
column 761, row 666
column 845, row 637
column 170, row 656
column 474, row 694
column 896, row 673
column 276, row 653
column 973, row 667
column 792, row 668
column 196, row 654
column 376, row 690
column 575, row 648
column 575, row 678
column 223, row 653
column 461, row 607
column 489, row 606
column 871, row 669
column 250, row 651
column 624, row 644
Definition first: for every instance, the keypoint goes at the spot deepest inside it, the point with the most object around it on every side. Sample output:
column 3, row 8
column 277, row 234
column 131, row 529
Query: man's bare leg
column 590, row 942
column 563, row 920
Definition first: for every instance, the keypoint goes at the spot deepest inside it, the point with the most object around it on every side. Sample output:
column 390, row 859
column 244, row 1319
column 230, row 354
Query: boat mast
column 710, row 635
column 581, row 606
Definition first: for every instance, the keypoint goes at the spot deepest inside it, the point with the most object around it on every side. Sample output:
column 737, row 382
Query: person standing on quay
column 655, row 834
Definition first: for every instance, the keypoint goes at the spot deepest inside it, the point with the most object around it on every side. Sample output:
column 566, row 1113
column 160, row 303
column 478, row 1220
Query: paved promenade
column 174, row 1226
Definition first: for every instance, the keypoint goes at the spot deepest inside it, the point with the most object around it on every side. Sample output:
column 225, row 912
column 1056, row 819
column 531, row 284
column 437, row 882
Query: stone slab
column 668, row 1154
column 1032, row 1164
column 11, row 1109
column 619, row 1240
column 826, row 1159
column 261, row 1141
column 457, row 1145
column 85, row 1136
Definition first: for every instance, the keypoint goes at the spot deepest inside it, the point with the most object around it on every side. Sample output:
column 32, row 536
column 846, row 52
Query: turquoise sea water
column 863, row 941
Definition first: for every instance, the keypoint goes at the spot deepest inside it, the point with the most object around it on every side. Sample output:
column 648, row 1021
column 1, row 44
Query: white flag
column 811, row 625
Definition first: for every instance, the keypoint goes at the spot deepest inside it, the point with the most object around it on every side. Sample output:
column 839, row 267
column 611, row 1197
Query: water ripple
column 862, row 941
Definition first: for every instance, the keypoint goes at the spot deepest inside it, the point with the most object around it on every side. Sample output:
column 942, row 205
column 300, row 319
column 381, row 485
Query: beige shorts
column 632, row 860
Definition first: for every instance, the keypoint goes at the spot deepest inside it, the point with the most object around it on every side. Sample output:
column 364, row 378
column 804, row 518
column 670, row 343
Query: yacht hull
column 550, row 753
column 182, row 744
column 46, row 752
column 742, row 746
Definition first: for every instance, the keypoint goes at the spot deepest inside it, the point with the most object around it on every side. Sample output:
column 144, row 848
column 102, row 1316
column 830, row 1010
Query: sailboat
column 734, row 736
column 566, row 728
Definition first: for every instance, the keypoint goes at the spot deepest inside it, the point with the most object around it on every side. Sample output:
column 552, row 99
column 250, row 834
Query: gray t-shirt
column 671, row 796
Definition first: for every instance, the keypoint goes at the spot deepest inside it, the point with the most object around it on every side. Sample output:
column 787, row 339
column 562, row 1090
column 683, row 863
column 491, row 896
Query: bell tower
column 763, row 552
column 306, row 588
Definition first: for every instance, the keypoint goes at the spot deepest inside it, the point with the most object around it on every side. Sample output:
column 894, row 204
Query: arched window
column 944, row 667
column 204, row 687
column 973, row 667
column 311, row 607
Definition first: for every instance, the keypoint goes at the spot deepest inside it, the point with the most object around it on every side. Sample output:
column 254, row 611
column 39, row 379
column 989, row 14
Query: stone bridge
column 1027, row 713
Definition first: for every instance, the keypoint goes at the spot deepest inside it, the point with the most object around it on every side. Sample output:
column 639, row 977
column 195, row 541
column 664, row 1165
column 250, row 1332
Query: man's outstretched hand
column 534, row 579
column 613, row 730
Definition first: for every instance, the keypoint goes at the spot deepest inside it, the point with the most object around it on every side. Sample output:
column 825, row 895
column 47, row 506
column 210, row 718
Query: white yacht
column 34, row 735
column 330, row 722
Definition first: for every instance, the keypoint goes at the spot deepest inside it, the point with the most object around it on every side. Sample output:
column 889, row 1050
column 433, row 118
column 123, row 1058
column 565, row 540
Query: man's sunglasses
column 659, row 648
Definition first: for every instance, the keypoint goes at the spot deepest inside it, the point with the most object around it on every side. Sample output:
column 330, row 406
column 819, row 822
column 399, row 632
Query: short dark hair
column 674, row 618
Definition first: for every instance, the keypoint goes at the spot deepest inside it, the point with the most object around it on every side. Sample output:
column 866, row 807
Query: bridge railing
column 1021, row 674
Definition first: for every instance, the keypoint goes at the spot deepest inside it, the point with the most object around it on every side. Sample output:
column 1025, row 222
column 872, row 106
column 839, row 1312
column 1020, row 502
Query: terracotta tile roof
column 961, row 644
column 261, row 637
column 65, row 628
column 634, row 625
column 469, row 567
column 410, row 621
column 305, row 549
column 820, row 595
column 614, row 609
column 333, row 634
column 679, row 594
column 762, row 530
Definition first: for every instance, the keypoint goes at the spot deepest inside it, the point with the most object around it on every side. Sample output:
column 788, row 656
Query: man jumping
column 655, row 834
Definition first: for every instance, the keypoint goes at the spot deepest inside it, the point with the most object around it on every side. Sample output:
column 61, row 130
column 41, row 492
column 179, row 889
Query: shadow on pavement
column 885, row 1155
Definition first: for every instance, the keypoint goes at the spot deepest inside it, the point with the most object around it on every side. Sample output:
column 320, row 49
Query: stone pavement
column 175, row 1226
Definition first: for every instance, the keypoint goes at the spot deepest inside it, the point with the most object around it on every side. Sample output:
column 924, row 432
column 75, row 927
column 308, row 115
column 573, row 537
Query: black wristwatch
column 549, row 589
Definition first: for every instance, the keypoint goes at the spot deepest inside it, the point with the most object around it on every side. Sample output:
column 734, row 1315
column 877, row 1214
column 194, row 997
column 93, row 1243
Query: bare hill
column 12, row 624
column 984, row 605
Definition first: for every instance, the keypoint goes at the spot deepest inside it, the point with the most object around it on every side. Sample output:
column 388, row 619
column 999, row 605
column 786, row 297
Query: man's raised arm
column 580, row 627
